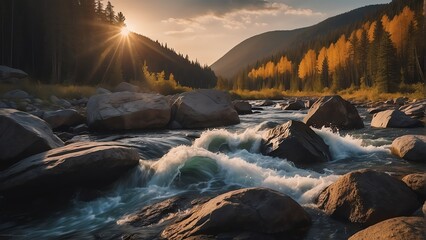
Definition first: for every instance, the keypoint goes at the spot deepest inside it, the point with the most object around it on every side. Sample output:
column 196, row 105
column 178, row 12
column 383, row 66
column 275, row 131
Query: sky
column 207, row 29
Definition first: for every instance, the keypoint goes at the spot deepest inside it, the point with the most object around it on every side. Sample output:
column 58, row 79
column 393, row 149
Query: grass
column 415, row 91
column 44, row 91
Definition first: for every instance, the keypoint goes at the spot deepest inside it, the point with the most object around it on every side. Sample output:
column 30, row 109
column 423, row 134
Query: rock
column 296, row 105
column 394, row 119
column 16, row 94
column 127, row 110
column 242, row 107
column 126, row 87
column 254, row 209
column 65, row 136
column 23, row 135
column 84, row 164
column 367, row 197
column 63, row 118
column 389, row 101
column 333, row 111
column 424, row 209
column 102, row 91
column 295, row 142
column 60, row 102
column 265, row 103
column 309, row 103
column 416, row 110
column 410, row 148
column 266, row 125
column 400, row 101
column 379, row 109
column 82, row 128
column 400, row 228
column 204, row 109
column 417, row 182
column 3, row 105
column 7, row 74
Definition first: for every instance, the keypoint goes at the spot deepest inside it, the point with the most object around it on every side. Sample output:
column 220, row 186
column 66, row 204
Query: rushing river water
column 211, row 162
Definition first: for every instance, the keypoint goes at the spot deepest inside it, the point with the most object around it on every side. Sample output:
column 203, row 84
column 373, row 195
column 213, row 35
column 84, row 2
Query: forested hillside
column 384, row 51
column 80, row 42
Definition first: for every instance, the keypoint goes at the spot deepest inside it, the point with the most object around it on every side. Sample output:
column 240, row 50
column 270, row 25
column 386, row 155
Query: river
column 211, row 162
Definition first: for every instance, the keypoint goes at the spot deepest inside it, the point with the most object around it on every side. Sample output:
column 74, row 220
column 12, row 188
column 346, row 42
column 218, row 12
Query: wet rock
column 379, row 109
column 242, row 107
column 203, row 109
column 23, row 135
column 394, row 119
column 16, row 94
column 309, row 103
column 126, row 87
column 417, row 182
column 333, row 111
column 127, row 110
column 367, row 197
column 65, row 136
column 254, row 209
column 410, row 148
column 60, row 102
column 296, row 142
column 85, row 164
column 266, row 125
column 265, row 103
column 63, row 118
column 400, row 101
column 415, row 110
column 79, row 129
column 400, row 228
column 295, row 105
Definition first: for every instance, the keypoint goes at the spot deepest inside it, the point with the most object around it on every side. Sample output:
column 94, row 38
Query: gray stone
column 410, row 148
column 9, row 73
column 242, row 107
column 394, row 119
column 16, row 94
column 23, row 135
column 126, row 110
column 63, row 118
column 126, row 87
column 102, row 91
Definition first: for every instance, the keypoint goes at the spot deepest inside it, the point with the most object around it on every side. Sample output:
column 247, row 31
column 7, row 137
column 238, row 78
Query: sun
column 124, row 31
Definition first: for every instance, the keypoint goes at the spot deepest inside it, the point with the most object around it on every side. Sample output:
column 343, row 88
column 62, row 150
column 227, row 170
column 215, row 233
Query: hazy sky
column 207, row 29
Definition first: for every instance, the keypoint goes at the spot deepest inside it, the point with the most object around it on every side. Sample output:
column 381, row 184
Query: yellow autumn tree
column 307, row 66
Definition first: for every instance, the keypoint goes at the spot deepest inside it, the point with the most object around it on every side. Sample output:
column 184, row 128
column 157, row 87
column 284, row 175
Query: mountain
column 268, row 44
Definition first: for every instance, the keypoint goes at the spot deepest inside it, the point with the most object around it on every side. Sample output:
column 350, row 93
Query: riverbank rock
column 127, row 110
column 23, row 135
column 417, row 182
column 265, row 103
column 333, row 111
column 394, row 119
column 367, row 197
column 11, row 75
column 410, row 148
column 296, row 142
column 242, row 107
column 126, row 87
column 246, row 210
column 83, row 164
column 16, row 94
column 203, row 109
column 295, row 105
column 400, row 228
column 63, row 118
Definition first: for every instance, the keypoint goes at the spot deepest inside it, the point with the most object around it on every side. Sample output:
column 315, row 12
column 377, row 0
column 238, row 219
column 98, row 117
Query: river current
column 211, row 162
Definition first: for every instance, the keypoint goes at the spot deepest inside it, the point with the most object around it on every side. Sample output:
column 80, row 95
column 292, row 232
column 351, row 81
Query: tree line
column 385, row 52
column 79, row 42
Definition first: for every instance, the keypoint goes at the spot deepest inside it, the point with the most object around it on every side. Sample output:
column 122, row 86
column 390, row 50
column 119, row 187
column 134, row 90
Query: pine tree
column 387, row 79
column 99, row 10
column 120, row 19
column 324, row 78
column 109, row 13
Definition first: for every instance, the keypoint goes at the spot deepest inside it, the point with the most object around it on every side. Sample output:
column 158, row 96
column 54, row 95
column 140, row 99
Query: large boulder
column 400, row 228
column 84, row 164
column 242, row 107
column 333, row 111
column 367, row 197
column 8, row 74
column 295, row 105
column 126, row 87
column 296, row 142
column 203, row 109
column 417, row 182
column 63, row 118
column 410, row 148
column 394, row 119
column 23, row 135
column 127, row 110
column 246, row 210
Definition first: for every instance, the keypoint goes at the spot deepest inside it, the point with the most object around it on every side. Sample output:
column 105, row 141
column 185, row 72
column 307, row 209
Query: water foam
column 342, row 147
column 241, row 168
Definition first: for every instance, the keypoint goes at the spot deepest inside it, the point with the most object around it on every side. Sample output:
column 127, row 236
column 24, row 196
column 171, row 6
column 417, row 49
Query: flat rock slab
column 335, row 112
column 394, row 119
column 23, row 135
column 417, row 182
column 367, row 197
column 410, row 148
column 400, row 228
column 82, row 164
column 63, row 118
column 254, row 209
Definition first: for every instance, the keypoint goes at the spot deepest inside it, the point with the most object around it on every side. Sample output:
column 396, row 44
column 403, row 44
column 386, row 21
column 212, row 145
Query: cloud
column 180, row 32
column 240, row 15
